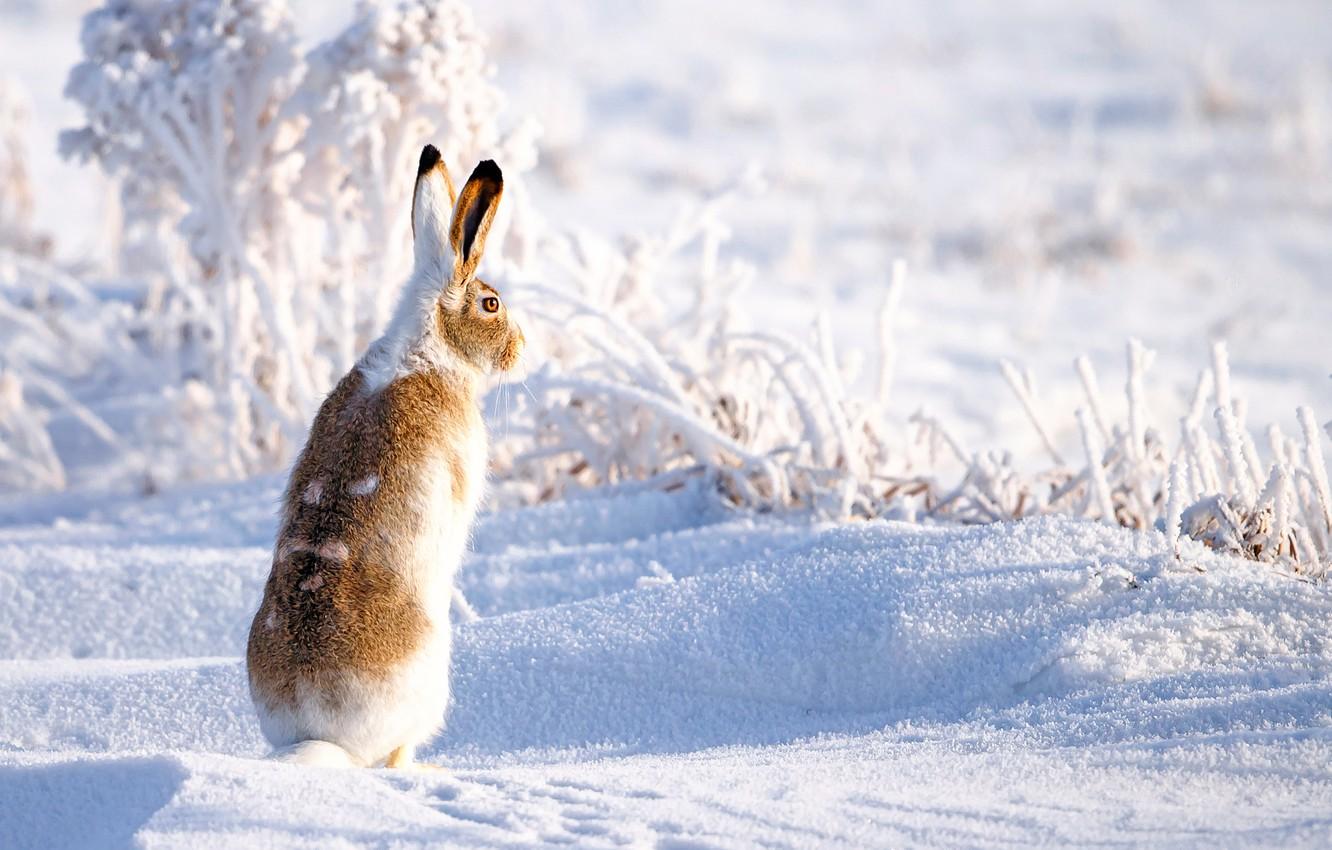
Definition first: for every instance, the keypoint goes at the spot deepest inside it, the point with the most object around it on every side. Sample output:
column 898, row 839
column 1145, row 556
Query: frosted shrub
column 28, row 459
column 58, row 336
column 398, row 75
column 1212, row 486
column 267, row 192
column 629, row 390
column 184, row 106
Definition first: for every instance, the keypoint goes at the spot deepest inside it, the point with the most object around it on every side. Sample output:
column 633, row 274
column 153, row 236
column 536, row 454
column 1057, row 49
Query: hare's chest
column 449, row 488
column 471, row 468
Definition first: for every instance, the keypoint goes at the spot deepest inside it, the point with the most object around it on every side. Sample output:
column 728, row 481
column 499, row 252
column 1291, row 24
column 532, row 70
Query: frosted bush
column 266, row 193
column 58, row 336
column 398, row 75
column 264, row 197
column 628, row 390
column 184, row 107
column 1211, row 486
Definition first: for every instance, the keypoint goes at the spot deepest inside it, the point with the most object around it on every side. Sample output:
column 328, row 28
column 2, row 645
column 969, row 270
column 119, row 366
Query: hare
column 348, row 655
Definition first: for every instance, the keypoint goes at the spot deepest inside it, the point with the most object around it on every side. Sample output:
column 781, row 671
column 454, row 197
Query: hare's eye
column 490, row 304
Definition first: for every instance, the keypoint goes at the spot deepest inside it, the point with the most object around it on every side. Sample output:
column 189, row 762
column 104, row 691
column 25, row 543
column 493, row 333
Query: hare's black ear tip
column 486, row 169
column 430, row 157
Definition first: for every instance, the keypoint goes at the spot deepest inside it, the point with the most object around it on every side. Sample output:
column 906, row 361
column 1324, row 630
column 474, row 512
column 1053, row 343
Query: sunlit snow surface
column 653, row 672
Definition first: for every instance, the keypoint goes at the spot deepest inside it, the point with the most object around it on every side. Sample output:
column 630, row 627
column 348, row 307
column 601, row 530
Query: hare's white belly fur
column 375, row 714
column 372, row 716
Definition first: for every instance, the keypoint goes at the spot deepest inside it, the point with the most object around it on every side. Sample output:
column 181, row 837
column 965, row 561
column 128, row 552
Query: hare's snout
column 513, row 349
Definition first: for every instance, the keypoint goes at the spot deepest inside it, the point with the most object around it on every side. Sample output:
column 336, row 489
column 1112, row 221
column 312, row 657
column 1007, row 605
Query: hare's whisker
column 523, row 381
column 506, row 410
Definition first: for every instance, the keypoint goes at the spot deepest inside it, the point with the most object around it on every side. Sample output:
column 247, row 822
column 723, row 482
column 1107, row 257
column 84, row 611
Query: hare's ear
column 432, row 204
column 472, row 218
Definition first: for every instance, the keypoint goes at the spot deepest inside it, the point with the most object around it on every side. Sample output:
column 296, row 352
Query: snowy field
column 657, row 669
column 650, row 673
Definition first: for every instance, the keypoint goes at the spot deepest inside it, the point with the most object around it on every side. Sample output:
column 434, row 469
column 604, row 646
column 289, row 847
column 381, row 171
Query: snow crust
column 641, row 679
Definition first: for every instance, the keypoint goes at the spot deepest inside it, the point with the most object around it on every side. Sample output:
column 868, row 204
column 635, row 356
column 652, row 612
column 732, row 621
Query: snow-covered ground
column 652, row 673
column 651, row 670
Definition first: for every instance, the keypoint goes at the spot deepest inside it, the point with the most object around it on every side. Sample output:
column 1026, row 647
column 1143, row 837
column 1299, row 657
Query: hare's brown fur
column 464, row 333
column 333, row 602
column 351, row 643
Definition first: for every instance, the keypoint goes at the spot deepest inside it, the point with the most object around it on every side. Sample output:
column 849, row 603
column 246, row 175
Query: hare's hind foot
column 315, row 752
column 403, row 758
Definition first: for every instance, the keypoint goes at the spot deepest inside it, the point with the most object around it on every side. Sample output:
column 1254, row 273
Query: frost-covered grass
column 262, row 186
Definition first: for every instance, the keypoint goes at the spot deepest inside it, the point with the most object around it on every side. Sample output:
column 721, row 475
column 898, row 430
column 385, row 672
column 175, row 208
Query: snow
column 652, row 670
column 795, row 684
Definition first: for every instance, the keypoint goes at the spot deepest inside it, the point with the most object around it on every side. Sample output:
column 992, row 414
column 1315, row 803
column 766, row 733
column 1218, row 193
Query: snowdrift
column 736, row 631
column 650, row 669
column 123, row 698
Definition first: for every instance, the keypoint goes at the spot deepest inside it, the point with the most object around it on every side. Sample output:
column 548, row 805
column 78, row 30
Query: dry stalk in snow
column 1206, row 487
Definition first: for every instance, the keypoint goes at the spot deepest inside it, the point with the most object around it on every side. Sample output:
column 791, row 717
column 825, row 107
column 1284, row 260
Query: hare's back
column 342, row 594
column 372, row 463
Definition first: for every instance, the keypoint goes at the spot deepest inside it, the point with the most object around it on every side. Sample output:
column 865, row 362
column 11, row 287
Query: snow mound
column 737, row 632
column 654, row 673
column 865, row 625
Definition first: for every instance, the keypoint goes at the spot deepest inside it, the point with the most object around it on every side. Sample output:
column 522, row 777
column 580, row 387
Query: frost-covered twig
column 887, row 321
column 1023, row 392
column 1139, row 360
column 1239, row 469
column 1095, row 453
column 1175, row 507
column 1091, row 388
column 1313, row 453
column 16, row 188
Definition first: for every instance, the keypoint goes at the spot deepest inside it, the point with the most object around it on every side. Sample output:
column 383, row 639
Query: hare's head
column 471, row 316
